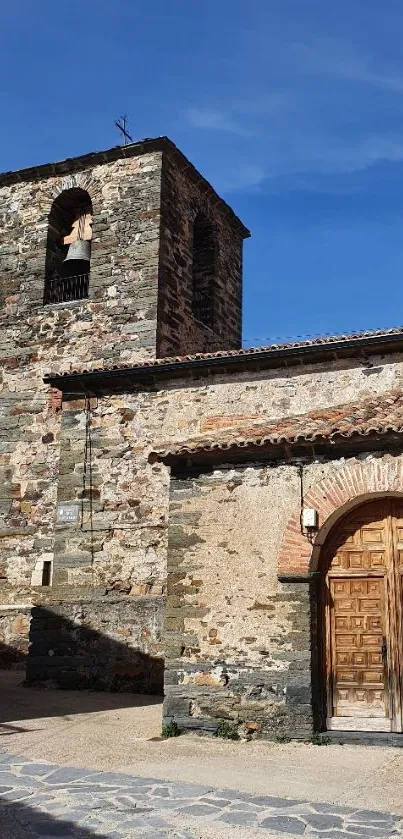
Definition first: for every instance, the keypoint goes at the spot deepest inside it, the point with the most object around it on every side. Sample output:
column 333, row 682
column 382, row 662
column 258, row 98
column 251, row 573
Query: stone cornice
column 147, row 146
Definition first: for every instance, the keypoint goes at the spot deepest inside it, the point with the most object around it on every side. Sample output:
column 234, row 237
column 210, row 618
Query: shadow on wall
column 95, row 670
column 71, row 654
column 12, row 658
column 18, row 821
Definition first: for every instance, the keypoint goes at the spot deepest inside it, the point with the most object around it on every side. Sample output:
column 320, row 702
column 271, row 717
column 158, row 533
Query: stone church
column 180, row 515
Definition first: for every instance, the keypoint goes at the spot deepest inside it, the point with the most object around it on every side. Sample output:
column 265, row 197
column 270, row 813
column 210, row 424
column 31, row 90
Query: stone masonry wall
column 98, row 642
column 241, row 645
column 178, row 331
column 96, row 454
column 14, row 636
column 118, row 320
column 120, row 538
column 116, row 323
column 189, row 408
column 238, row 644
column 226, row 607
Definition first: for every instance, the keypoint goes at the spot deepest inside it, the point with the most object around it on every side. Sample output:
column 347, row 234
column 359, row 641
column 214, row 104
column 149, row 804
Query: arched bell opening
column 359, row 630
column 204, row 269
column 68, row 247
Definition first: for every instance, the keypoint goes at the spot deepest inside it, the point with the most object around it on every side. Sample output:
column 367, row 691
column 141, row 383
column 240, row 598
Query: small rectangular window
column 46, row 573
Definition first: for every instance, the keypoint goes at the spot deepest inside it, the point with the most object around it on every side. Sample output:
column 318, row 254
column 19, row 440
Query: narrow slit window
column 46, row 573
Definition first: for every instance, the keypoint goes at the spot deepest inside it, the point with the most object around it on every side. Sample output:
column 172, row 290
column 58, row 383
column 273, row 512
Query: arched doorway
column 362, row 618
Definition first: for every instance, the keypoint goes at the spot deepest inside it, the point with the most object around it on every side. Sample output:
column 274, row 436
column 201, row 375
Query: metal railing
column 63, row 289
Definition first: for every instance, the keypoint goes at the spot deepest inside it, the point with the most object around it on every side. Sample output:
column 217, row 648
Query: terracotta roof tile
column 373, row 415
column 240, row 353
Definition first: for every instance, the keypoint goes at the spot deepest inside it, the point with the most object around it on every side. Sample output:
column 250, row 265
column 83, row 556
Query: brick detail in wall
column 350, row 484
column 55, row 400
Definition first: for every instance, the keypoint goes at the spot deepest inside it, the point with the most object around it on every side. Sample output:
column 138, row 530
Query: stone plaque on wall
column 67, row 512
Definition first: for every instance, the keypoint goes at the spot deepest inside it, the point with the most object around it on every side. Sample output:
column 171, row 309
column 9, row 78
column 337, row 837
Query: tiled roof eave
column 275, row 355
column 268, row 444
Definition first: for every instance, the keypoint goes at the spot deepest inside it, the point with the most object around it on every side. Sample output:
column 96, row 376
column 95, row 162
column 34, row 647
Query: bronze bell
column 79, row 250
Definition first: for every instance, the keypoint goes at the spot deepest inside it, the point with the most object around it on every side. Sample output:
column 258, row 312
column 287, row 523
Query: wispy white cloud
column 241, row 117
column 211, row 119
column 244, row 176
column 317, row 120
column 344, row 61
column 321, row 155
column 303, row 162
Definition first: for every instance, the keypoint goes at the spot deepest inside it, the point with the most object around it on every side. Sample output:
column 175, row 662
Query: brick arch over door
column 350, row 484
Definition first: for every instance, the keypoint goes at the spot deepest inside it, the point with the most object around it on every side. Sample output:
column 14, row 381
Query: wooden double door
column 363, row 649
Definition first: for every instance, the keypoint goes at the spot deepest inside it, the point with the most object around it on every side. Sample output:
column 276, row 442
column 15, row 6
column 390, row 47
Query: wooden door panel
column 361, row 543
column 358, row 681
column 397, row 593
column 364, row 618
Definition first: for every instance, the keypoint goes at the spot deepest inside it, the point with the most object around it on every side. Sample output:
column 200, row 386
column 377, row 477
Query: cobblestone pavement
column 46, row 801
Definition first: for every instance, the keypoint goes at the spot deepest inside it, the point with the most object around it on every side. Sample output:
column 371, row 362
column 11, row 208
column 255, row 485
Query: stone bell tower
column 159, row 268
column 111, row 258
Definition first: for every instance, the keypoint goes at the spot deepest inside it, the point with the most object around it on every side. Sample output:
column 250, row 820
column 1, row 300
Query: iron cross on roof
column 121, row 125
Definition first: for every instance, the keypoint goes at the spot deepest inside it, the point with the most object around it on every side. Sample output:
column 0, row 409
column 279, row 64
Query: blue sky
column 293, row 109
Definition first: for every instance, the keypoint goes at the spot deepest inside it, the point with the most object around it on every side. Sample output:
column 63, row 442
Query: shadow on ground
column 86, row 670
column 19, row 702
column 19, row 821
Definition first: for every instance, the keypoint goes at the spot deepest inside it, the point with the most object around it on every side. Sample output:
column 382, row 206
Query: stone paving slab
column 58, row 802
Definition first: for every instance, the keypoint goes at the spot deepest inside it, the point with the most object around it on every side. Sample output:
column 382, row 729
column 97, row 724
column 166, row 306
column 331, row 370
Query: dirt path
column 112, row 731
